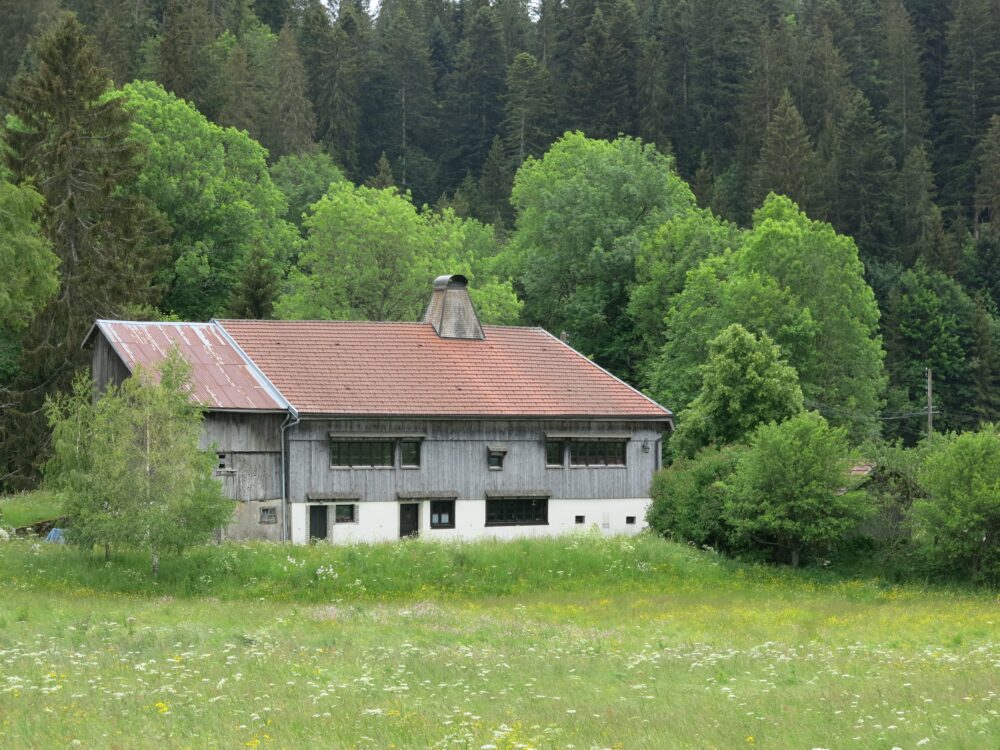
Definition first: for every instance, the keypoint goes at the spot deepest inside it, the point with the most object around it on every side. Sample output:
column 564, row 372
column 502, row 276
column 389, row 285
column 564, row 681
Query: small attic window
column 224, row 463
column 495, row 455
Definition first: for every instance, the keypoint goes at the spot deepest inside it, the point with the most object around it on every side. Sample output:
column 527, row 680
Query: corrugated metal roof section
column 406, row 369
column 221, row 375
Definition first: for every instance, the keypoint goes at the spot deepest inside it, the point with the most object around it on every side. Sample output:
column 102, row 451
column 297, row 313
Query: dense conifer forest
column 641, row 174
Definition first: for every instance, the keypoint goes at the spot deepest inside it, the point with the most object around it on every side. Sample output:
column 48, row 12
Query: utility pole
column 930, row 401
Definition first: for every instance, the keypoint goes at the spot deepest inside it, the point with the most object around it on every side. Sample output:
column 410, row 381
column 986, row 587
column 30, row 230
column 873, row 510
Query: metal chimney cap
column 451, row 281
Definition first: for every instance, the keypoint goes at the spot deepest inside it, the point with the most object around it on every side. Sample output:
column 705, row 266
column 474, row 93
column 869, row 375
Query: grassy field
column 29, row 508
column 579, row 642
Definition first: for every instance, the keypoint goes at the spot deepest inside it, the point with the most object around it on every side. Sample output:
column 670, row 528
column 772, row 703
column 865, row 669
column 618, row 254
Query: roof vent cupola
column 450, row 310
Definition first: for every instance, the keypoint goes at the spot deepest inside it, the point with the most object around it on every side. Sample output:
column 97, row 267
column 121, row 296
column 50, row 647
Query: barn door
column 319, row 527
column 409, row 519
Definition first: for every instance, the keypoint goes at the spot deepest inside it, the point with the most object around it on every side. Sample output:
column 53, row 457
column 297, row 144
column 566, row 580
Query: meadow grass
column 28, row 508
column 578, row 642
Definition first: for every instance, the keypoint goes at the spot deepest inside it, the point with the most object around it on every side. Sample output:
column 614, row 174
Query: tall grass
column 401, row 570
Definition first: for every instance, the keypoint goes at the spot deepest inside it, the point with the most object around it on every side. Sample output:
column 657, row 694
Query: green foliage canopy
column 213, row 187
column 745, row 383
column 960, row 519
column 130, row 466
column 28, row 266
column 583, row 211
column 788, row 489
column 371, row 255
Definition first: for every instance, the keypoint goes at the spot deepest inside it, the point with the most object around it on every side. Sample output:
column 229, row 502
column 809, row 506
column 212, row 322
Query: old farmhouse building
column 347, row 431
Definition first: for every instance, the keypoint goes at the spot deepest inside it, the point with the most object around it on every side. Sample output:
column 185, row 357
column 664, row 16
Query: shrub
column 959, row 521
column 788, row 492
column 688, row 498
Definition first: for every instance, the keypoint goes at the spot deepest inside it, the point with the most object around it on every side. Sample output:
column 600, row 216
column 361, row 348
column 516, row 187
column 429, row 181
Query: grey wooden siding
column 107, row 366
column 252, row 444
column 454, row 459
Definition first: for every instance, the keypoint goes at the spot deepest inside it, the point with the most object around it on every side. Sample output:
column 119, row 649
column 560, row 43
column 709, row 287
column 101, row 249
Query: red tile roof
column 406, row 369
column 221, row 376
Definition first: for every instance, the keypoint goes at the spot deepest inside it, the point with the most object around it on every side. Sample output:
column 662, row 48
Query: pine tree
column 21, row 21
column 906, row 115
column 495, row 184
column 914, row 215
column 788, row 164
column 72, row 140
column 529, row 105
column 864, row 175
column 476, row 91
column 240, row 105
column 603, row 83
column 383, row 177
column 292, row 122
column 969, row 94
column 988, row 176
column 181, row 55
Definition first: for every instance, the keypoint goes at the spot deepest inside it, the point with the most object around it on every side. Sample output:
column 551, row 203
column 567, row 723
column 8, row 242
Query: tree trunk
column 107, row 552
column 795, row 557
column 156, row 562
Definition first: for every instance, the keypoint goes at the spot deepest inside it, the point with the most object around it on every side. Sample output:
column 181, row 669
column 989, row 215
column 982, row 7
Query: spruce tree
column 120, row 31
column 906, row 117
column 529, row 105
column 476, row 91
column 864, row 175
column 182, row 64
column 383, row 177
column 495, row 184
column 292, row 122
column 788, row 164
column 67, row 135
column 603, row 83
column 988, row 177
column 968, row 96
column 914, row 216
column 240, row 105
column 21, row 21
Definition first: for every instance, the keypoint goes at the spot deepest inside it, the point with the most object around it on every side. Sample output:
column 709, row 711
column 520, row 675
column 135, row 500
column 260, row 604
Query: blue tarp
column 56, row 537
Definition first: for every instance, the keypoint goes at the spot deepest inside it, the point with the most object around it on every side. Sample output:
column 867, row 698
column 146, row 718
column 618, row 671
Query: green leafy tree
column 745, row 383
column 959, row 521
column 787, row 493
column 788, row 164
column 212, row 186
column 689, row 498
column 303, row 179
column 802, row 284
column 69, row 136
column 371, row 255
column 529, row 106
column 28, row 267
column 131, row 467
column 583, row 211
column 662, row 265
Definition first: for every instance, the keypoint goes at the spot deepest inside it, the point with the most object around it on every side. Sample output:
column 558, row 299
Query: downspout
column 291, row 419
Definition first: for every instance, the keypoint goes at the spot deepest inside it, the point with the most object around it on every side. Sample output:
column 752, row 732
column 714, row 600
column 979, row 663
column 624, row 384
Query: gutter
column 291, row 420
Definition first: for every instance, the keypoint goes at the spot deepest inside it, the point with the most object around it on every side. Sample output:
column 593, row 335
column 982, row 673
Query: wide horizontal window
column 597, row 453
column 517, row 511
column 362, row 452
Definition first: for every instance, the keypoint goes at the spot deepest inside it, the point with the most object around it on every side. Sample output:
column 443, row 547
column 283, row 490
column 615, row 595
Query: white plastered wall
column 379, row 521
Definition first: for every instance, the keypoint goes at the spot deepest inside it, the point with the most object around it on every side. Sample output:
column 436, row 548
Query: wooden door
column 319, row 527
column 409, row 519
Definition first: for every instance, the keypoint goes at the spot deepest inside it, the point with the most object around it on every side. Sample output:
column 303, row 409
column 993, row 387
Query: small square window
column 581, row 519
column 442, row 514
column 268, row 515
column 410, row 453
column 495, row 460
column 630, row 520
column 345, row 514
column 223, row 462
